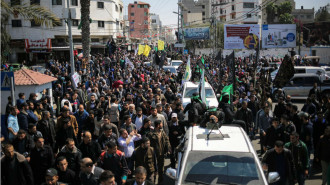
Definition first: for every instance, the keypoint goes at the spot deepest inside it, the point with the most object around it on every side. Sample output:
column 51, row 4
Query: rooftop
column 30, row 77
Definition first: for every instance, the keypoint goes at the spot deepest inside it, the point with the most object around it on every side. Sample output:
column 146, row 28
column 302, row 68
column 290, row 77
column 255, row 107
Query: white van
column 176, row 63
column 218, row 156
column 189, row 88
column 311, row 70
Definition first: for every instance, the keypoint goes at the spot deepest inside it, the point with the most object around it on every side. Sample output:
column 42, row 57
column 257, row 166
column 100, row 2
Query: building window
column 100, row 5
column 100, row 24
column 233, row 16
column 121, row 9
column 76, row 40
column 145, row 13
column 153, row 20
column 248, row 5
column 309, row 16
column 221, row 11
column 232, row 7
column 146, row 22
column 203, row 19
column 75, row 22
column 116, row 8
column 56, row 2
column 16, row 23
column 35, row 2
column 132, row 14
column 302, row 16
column 146, row 6
column 139, row 6
column 95, row 39
column 203, row 13
column 74, row 2
column 132, row 6
column 34, row 24
column 15, row 2
column 248, row 15
column 203, row 6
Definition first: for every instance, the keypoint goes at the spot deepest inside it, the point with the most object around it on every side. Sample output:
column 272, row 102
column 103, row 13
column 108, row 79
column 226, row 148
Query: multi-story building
column 304, row 15
column 139, row 19
column 107, row 22
column 156, row 26
column 238, row 11
column 196, row 12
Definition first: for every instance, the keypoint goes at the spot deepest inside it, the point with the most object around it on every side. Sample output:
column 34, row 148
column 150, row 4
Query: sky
column 165, row 8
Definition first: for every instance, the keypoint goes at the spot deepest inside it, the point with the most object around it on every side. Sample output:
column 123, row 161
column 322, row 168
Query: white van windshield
column 191, row 90
column 221, row 168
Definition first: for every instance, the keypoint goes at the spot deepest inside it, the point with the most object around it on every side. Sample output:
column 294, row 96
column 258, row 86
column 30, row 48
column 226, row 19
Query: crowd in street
column 123, row 119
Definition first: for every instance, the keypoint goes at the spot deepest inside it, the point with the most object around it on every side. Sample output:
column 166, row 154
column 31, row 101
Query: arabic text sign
column 202, row 33
column 38, row 44
column 245, row 36
column 279, row 36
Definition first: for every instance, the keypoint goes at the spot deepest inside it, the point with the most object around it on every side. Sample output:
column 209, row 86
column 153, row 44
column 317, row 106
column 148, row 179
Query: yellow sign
column 146, row 50
column 141, row 49
column 160, row 45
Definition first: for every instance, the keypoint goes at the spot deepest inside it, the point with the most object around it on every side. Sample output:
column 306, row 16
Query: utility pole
column 70, row 38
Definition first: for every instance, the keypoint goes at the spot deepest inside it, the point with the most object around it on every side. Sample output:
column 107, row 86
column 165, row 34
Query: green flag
column 227, row 89
column 200, row 70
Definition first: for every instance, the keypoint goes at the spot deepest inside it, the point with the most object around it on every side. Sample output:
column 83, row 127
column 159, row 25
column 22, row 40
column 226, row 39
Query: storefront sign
column 38, row 45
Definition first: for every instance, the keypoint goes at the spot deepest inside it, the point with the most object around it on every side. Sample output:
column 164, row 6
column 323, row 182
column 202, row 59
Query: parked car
column 311, row 70
column 40, row 69
column 299, row 85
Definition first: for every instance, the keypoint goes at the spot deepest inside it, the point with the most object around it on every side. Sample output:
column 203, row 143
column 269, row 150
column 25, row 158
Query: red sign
column 38, row 44
column 241, row 32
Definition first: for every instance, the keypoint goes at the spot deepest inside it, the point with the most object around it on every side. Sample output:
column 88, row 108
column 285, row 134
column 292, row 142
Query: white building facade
column 156, row 27
column 107, row 22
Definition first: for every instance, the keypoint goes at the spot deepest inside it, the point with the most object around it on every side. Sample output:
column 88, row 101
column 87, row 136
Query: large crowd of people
column 123, row 119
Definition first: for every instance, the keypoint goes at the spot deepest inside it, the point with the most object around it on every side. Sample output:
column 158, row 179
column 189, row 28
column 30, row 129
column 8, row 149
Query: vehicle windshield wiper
column 196, row 181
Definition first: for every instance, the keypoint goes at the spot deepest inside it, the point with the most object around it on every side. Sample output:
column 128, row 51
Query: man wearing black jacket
column 15, row 168
column 175, row 131
column 47, row 128
column 23, row 144
column 273, row 133
column 72, row 154
column 64, row 173
column 279, row 159
column 42, row 158
column 89, row 148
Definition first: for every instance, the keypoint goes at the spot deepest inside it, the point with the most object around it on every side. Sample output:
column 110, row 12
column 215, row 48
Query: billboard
column 202, row 33
column 241, row 36
column 279, row 36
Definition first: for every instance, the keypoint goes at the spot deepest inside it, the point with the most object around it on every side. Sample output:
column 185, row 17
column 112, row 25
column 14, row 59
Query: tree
column 85, row 26
column 271, row 12
column 37, row 13
column 286, row 18
column 285, row 7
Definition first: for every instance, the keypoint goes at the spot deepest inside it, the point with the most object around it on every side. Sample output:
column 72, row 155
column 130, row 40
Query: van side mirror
column 218, row 96
column 273, row 177
column 171, row 173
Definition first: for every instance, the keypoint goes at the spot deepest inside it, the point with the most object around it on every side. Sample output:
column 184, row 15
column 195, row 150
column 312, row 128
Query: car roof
column 236, row 142
column 195, row 84
column 305, row 75
column 168, row 67
column 177, row 61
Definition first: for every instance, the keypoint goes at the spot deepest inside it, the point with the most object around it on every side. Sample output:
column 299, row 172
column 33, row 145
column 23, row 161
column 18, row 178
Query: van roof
column 307, row 67
column 305, row 75
column 237, row 141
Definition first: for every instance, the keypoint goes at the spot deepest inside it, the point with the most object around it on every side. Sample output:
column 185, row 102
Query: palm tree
column 40, row 15
column 85, row 26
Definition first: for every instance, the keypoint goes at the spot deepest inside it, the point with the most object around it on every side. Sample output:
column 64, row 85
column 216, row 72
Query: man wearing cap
column 175, row 131
column 51, row 178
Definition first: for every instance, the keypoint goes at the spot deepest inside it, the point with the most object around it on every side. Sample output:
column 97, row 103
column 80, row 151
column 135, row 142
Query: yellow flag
column 160, row 45
column 146, row 50
column 141, row 49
